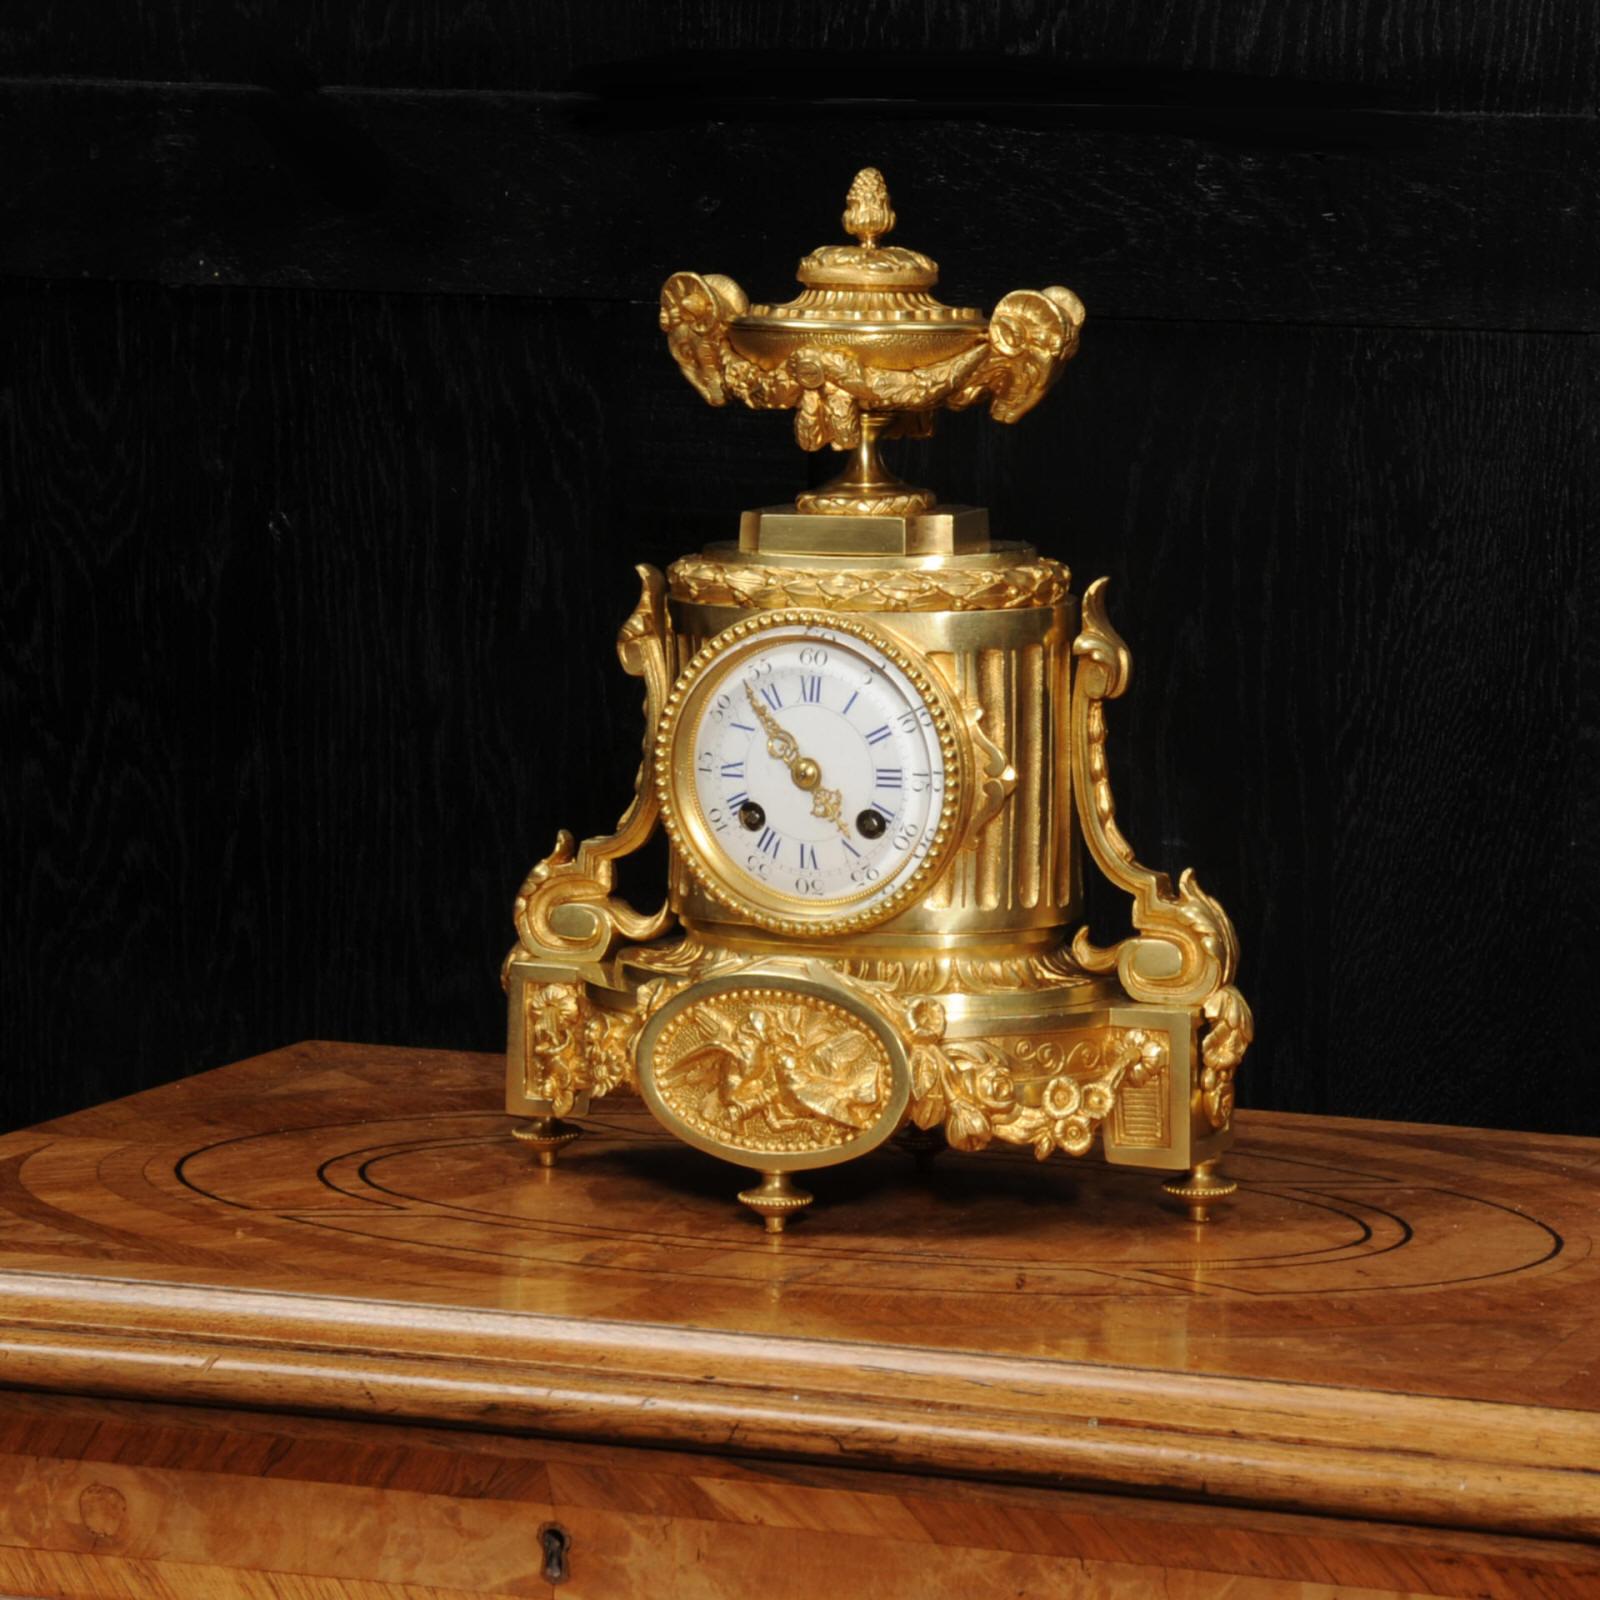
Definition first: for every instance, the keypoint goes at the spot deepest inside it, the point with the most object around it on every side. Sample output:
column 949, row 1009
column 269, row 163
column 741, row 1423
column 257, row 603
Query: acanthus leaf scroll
column 566, row 909
column 1185, row 951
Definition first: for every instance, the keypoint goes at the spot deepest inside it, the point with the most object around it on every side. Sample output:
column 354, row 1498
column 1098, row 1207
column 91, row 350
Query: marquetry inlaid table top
column 1387, row 1321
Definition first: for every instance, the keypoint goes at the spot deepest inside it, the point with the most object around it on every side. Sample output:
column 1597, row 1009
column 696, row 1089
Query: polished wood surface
column 1388, row 1322
column 107, row 1498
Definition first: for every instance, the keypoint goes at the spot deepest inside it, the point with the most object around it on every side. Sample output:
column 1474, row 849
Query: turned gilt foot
column 775, row 1199
column 1201, row 1188
column 546, row 1136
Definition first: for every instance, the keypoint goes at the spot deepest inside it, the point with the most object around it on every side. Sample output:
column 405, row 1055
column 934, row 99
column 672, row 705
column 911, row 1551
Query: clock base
column 787, row 1063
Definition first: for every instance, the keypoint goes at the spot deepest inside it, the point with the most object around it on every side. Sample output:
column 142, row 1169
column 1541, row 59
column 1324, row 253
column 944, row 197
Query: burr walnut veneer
column 309, row 1326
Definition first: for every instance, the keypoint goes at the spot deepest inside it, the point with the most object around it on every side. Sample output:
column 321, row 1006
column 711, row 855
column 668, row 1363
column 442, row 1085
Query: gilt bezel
column 771, row 908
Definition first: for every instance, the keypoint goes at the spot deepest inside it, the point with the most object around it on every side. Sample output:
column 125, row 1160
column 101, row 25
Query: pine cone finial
column 867, row 213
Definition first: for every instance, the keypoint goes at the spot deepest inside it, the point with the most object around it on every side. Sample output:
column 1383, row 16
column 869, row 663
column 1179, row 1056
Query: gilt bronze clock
column 875, row 737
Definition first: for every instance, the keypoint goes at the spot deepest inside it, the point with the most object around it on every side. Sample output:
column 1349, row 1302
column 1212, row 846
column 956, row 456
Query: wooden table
column 312, row 1326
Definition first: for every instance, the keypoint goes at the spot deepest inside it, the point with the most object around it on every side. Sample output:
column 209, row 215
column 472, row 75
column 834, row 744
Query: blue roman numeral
column 888, row 777
column 735, row 769
column 878, row 735
column 811, row 690
column 808, row 856
column 768, row 843
column 769, row 693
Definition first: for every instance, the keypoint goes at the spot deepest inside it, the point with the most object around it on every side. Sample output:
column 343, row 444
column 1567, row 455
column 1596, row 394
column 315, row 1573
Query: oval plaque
column 776, row 1072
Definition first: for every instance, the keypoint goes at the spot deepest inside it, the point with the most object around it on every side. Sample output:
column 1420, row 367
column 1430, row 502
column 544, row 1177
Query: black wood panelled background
column 333, row 416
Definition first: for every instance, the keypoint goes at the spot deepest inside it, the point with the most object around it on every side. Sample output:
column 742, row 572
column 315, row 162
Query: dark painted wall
column 333, row 416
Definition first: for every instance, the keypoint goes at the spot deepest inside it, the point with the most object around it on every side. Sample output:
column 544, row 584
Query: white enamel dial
column 810, row 765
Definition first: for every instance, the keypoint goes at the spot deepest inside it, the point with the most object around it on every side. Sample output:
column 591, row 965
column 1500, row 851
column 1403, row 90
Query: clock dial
column 811, row 779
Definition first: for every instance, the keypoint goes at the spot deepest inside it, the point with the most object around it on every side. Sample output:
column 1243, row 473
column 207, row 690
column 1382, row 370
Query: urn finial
column 866, row 350
column 867, row 212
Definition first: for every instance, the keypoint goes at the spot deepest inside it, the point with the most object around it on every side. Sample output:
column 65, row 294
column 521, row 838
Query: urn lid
column 867, row 281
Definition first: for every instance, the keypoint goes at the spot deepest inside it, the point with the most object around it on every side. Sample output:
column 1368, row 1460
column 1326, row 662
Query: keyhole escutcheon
column 555, row 1543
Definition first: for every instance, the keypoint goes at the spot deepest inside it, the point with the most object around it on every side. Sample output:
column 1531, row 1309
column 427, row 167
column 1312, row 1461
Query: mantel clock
column 876, row 739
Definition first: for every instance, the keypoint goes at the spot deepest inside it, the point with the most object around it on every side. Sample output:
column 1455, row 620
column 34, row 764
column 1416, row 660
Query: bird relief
column 797, row 1073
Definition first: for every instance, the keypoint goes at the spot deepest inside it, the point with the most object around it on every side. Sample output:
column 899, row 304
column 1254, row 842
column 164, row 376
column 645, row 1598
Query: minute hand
column 803, row 771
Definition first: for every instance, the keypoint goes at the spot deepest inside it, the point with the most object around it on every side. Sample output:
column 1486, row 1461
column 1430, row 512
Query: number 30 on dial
column 809, row 772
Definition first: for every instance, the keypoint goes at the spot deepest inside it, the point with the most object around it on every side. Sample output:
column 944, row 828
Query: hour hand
column 826, row 803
